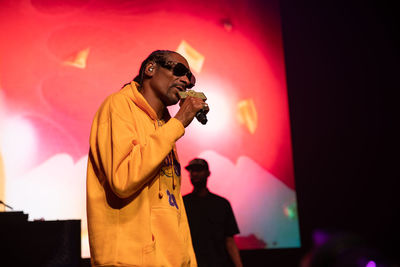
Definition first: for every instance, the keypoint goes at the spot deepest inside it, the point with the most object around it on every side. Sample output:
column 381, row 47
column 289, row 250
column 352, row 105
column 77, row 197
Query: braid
column 155, row 56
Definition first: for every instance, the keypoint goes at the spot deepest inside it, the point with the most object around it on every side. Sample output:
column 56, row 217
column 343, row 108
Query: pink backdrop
column 58, row 61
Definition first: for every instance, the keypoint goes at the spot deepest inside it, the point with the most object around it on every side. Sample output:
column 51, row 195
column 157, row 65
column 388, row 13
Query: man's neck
column 201, row 192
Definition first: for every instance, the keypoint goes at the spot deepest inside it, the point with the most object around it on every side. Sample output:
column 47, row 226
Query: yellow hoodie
column 136, row 215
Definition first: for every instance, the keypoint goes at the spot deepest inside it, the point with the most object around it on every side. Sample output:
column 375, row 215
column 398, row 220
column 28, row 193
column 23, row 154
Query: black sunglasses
column 178, row 69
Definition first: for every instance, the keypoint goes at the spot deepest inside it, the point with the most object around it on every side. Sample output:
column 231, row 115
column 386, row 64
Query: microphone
column 201, row 114
column 201, row 117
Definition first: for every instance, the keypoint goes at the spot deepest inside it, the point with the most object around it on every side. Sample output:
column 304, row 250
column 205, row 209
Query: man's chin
column 173, row 100
column 199, row 184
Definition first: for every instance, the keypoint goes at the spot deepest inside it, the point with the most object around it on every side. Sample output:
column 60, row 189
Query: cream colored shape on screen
column 195, row 58
column 62, row 194
column 78, row 60
column 247, row 114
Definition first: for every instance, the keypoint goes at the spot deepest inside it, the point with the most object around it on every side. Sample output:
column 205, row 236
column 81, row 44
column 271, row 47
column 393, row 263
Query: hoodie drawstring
column 173, row 170
column 160, row 193
column 171, row 158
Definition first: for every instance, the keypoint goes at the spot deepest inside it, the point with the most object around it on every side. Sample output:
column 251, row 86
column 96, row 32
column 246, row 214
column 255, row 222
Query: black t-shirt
column 211, row 220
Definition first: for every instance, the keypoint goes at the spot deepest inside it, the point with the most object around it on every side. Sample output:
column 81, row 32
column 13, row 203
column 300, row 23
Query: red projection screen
column 60, row 59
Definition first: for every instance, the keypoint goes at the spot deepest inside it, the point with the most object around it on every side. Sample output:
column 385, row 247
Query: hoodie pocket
column 169, row 240
column 149, row 254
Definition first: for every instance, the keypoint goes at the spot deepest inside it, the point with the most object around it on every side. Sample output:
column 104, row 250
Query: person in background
column 211, row 221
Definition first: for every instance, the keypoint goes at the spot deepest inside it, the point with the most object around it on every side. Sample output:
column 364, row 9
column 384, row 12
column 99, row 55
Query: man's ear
column 149, row 70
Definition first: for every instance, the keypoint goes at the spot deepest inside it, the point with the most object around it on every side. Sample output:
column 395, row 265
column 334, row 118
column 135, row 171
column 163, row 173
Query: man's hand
column 189, row 107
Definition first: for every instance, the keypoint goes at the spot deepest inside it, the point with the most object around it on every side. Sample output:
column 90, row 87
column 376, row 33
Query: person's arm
column 127, row 153
column 233, row 251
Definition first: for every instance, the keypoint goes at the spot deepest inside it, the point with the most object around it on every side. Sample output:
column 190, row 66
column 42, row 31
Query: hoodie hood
column 131, row 89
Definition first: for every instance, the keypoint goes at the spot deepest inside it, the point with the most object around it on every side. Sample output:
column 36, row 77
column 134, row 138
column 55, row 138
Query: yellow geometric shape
column 78, row 60
column 247, row 114
column 194, row 58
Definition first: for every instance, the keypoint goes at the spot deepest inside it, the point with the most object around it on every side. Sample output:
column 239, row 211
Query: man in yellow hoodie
column 136, row 215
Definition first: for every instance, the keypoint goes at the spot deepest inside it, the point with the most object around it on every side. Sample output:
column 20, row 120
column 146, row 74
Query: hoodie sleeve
column 128, row 152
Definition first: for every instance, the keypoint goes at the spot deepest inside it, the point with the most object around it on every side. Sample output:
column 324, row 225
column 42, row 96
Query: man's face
column 166, row 85
column 198, row 177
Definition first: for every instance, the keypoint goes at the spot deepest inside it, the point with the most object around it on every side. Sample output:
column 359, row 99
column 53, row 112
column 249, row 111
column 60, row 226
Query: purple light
column 320, row 237
column 371, row 264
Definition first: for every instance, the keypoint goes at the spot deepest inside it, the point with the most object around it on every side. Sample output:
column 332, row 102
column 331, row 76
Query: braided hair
column 155, row 56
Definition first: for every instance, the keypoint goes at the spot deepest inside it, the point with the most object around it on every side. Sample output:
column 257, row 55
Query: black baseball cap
column 199, row 164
